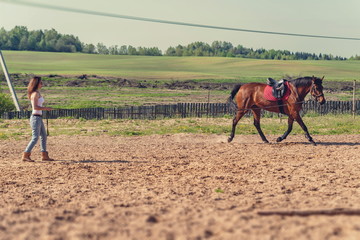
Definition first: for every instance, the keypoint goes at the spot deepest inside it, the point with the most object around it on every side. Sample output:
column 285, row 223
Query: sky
column 339, row 18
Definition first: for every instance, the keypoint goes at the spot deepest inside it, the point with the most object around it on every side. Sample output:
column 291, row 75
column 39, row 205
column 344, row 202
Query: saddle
column 278, row 87
column 277, row 91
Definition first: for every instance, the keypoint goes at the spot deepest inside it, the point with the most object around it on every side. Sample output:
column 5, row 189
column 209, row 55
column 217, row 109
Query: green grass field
column 160, row 70
column 165, row 68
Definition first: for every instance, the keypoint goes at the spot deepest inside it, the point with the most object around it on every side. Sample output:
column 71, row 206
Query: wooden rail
column 180, row 110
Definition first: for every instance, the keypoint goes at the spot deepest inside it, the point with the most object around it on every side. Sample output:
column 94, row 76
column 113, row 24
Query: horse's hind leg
column 257, row 115
column 290, row 126
column 238, row 116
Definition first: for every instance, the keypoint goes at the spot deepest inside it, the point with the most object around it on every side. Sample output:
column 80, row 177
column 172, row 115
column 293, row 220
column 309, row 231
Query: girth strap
column 281, row 106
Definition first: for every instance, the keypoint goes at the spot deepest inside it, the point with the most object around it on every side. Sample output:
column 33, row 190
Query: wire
column 104, row 14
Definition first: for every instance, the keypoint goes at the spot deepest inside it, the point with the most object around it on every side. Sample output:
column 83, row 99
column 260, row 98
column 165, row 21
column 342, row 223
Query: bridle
column 313, row 92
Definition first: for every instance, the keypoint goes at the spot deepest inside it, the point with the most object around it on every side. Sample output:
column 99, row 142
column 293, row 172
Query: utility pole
column 7, row 76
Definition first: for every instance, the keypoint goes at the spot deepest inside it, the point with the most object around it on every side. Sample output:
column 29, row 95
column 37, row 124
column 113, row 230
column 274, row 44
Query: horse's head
column 317, row 90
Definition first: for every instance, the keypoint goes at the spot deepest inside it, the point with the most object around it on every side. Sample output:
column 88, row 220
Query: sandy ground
column 182, row 186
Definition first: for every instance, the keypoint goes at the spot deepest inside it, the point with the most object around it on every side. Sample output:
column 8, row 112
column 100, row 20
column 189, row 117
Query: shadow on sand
column 93, row 161
column 318, row 143
column 339, row 143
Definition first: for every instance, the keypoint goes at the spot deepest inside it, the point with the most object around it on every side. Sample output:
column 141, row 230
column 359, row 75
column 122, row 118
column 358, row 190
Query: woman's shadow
column 94, row 161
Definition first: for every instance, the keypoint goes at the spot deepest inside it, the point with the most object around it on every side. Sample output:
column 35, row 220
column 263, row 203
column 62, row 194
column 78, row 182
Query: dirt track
column 181, row 187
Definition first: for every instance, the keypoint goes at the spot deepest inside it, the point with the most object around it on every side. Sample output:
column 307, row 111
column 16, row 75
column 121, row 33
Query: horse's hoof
column 279, row 139
column 229, row 140
column 311, row 140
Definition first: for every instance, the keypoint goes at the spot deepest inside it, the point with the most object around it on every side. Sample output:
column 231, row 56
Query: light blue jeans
column 38, row 130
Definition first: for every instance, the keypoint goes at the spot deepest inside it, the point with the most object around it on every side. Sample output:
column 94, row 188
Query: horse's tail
column 232, row 96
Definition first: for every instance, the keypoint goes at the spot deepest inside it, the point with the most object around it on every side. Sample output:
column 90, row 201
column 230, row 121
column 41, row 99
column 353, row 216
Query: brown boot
column 45, row 156
column 26, row 157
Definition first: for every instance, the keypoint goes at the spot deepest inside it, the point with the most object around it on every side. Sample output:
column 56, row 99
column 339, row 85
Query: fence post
column 353, row 105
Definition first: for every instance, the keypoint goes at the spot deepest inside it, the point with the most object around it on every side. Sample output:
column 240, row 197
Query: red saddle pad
column 268, row 93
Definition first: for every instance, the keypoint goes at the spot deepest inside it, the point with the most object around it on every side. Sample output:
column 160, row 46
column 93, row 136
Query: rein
column 47, row 123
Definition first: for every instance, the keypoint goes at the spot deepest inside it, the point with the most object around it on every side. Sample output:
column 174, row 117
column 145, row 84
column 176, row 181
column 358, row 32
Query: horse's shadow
column 321, row 143
column 338, row 143
column 95, row 161
column 100, row 161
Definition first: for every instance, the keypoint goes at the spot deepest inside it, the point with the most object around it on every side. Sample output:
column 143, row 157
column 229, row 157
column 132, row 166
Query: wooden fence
column 180, row 110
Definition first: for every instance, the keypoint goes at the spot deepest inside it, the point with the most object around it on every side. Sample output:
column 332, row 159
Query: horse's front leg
column 238, row 116
column 302, row 125
column 257, row 115
column 290, row 126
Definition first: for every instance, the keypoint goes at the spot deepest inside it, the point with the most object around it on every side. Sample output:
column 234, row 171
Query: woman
column 36, row 122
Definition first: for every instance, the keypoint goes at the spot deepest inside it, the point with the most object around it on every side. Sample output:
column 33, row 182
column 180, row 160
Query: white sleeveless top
column 41, row 100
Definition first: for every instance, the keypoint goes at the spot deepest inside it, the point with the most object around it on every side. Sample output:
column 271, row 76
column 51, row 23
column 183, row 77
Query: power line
column 104, row 14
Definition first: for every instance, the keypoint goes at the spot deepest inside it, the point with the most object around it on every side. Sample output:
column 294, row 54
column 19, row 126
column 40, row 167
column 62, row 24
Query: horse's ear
column 322, row 78
column 313, row 78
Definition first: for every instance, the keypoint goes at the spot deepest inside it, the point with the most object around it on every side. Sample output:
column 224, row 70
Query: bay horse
column 250, row 96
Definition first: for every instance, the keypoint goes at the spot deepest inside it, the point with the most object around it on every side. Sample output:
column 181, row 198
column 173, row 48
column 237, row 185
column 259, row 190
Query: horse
column 250, row 96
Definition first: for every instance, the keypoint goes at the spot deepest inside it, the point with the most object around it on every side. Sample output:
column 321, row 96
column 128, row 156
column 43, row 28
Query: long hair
column 33, row 86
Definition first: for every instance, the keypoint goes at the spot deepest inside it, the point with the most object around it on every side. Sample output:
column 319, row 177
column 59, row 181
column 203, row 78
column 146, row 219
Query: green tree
column 179, row 51
column 123, row 50
column 68, row 43
column 217, row 48
column 15, row 37
column 6, row 104
column 51, row 37
column 154, row 51
column 102, row 49
column 88, row 48
column 34, row 39
column 170, row 51
column 141, row 51
column 4, row 39
column 132, row 50
column 114, row 50
column 355, row 58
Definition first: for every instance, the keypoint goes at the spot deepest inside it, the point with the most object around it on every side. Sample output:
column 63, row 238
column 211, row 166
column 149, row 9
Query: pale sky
column 339, row 18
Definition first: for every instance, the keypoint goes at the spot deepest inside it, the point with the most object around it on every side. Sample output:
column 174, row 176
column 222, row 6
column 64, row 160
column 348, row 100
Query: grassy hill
column 163, row 68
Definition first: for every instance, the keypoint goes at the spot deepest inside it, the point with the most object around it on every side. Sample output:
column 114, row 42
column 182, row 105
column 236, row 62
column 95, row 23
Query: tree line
column 226, row 49
column 20, row 38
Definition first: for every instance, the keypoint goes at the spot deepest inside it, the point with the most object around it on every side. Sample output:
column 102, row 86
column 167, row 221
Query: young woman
column 36, row 122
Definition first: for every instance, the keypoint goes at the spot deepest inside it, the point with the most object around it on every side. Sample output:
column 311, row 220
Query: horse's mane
column 305, row 81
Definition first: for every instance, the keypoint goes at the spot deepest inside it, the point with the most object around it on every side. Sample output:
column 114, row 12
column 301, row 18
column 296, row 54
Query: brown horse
column 250, row 96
